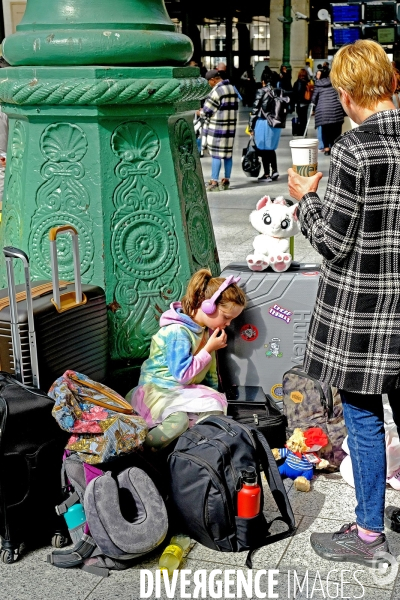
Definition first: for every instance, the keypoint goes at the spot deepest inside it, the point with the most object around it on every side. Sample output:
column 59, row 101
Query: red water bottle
column 249, row 497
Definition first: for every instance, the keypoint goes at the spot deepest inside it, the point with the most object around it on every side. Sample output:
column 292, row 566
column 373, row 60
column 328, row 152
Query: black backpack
column 276, row 109
column 205, row 473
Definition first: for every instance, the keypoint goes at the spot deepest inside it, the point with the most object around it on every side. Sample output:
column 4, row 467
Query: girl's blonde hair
column 364, row 70
column 203, row 285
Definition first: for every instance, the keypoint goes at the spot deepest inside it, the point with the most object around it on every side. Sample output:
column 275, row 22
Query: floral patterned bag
column 102, row 423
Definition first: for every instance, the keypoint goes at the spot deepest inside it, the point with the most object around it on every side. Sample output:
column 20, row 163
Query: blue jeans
column 363, row 414
column 319, row 136
column 216, row 167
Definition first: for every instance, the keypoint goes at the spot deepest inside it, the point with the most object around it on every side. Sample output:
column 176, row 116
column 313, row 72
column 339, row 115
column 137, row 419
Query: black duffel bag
column 251, row 164
column 250, row 406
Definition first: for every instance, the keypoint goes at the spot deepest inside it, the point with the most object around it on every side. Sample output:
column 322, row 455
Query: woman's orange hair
column 364, row 71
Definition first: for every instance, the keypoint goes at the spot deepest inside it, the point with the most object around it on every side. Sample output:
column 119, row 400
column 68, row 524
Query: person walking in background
column 285, row 79
column 325, row 65
column 221, row 68
column 219, row 114
column 319, row 128
column 329, row 114
column 266, row 138
column 354, row 336
column 285, row 84
column 309, row 69
column 298, row 97
column 248, row 86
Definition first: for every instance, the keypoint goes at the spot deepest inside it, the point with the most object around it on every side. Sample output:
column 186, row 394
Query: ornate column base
column 111, row 151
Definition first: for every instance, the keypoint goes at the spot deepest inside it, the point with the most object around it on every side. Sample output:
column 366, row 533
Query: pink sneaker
column 394, row 480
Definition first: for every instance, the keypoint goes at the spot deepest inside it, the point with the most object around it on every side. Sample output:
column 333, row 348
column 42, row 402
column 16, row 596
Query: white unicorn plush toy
column 276, row 223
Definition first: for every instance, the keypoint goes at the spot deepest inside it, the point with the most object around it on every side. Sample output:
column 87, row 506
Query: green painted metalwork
column 112, row 151
column 90, row 32
column 287, row 24
column 107, row 91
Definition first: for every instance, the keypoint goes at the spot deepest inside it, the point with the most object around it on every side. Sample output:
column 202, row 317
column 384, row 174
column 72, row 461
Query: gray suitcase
column 269, row 337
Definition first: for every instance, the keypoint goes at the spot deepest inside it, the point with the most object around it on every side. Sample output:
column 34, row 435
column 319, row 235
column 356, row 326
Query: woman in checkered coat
column 354, row 337
column 220, row 114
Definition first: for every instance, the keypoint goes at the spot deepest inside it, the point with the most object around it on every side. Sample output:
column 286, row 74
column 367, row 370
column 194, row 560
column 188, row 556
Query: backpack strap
column 278, row 491
column 70, row 501
column 274, row 479
column 72, row 557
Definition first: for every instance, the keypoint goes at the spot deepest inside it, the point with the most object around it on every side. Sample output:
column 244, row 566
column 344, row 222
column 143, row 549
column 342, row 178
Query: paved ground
column 326, row 507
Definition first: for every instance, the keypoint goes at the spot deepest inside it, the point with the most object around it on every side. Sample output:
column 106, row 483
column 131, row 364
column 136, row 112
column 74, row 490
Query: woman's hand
column 299, row 186
column 216, row 341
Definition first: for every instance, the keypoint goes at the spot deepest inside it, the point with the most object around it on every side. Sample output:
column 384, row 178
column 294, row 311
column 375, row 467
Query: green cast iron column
column 109, row 149
column 287, row 24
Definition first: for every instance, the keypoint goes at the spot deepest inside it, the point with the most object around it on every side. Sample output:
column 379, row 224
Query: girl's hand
column 216, row 341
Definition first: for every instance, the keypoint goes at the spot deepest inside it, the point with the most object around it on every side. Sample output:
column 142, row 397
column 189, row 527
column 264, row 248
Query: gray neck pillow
column 127, row 517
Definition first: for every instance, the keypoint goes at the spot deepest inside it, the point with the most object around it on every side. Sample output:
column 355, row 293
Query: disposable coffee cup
column 305, row 156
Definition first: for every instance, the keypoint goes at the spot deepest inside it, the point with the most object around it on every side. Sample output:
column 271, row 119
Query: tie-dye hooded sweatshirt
column 179, row 375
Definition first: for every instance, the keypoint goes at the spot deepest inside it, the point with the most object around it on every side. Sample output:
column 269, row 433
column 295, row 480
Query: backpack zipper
column 235, row 476
column 239, row 425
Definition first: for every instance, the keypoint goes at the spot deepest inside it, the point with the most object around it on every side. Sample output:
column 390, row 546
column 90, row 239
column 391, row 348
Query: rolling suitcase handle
column 10, row 253
column 309, row 119
column 68, row 300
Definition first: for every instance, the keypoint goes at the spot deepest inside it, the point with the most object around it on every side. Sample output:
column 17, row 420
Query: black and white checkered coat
column 220, row 114
column 354, row 336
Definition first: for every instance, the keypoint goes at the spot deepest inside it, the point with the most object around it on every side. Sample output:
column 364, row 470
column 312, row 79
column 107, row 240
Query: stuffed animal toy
column 300, row 457
column 276, row 223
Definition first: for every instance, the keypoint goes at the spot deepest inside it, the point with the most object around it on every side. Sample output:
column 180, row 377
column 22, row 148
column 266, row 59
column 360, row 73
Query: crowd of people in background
column 311, row 94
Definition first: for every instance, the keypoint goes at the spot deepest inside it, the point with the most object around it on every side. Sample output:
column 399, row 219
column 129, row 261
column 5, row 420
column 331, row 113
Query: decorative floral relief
column 39, row 241
column 135, row 141
column 144, row 244
column 62, row 198
column 63, row 142
column 11, row 230
column 199, row 228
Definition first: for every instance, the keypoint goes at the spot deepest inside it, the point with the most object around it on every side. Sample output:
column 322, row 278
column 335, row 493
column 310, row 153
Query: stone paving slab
column 33, row 578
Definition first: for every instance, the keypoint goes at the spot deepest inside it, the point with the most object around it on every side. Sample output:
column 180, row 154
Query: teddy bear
column 276, row 223
column 300, row 457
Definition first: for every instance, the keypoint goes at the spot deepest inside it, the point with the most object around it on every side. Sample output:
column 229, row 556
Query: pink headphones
column 208, row 306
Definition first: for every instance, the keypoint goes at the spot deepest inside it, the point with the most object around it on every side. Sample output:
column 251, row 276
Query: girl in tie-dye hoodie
column 178, row 383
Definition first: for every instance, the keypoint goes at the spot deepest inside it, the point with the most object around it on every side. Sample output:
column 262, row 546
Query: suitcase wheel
column 9, row 556
column 60, row 541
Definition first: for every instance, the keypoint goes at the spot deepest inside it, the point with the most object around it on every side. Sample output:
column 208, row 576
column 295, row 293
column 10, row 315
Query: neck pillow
column 126, row 515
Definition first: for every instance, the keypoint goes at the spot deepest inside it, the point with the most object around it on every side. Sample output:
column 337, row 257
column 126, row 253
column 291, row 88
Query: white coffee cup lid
column 304, row 143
